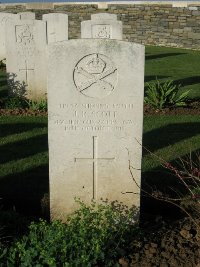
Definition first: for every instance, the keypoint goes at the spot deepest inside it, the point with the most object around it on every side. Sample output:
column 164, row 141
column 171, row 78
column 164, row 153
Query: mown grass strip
column 21, row 136
column 169, row 137
column 180, row 65
column 21, row 165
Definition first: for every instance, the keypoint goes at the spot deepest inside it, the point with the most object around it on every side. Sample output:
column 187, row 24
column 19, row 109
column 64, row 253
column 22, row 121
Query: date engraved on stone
column 101, row 31
column 24, row 34
column 95, row 75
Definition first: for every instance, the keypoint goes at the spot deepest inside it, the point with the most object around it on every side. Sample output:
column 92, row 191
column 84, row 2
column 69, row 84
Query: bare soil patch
column 165, row 244
column 193, row 108
column 22, row 112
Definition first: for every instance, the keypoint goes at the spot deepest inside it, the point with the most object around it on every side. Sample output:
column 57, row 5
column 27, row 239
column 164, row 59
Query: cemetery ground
column 166, row 236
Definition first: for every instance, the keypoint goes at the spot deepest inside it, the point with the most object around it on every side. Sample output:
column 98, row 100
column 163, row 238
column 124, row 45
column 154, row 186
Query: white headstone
column 26, row 58
column 26, row 15
column 57, row 27
column 4, row 17
column 103, row 26
column 95, row 107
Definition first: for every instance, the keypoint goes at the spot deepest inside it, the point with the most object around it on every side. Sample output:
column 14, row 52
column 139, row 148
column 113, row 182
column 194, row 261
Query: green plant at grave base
column 2, row 63
column 161, row 95
column 15, row 102
column 94, row 234
column 37, row 105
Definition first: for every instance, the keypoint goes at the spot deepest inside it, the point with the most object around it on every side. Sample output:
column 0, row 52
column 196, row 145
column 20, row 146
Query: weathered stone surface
column 26, row 15
column 57, row 27
column 26, row 58
column 4, row 17
column 103, row 26
column 95, row 107
column 41, row 5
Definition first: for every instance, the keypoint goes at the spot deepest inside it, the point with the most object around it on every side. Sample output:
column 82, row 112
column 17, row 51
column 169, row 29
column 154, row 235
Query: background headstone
column 95, row 107
column 26, row 15
column 26, row 58
column 57, row 27
column 4, row 17
column 103, row 26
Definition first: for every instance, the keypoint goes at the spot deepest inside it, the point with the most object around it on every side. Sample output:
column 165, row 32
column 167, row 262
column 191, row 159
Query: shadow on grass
column 149, row 57
column 24, row 148
column 15, row 128
column 163, row 180
column 23, row 191
column 188, row 81
column 169, row 135
column 149, row 78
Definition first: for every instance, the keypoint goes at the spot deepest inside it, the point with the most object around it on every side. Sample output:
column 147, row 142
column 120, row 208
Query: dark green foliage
column 94, row 234
column 161, row 95
column 15, row 102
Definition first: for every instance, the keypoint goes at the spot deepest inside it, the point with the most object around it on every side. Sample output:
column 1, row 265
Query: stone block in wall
column 193, row 8
column 194, row 35
column 40, row 6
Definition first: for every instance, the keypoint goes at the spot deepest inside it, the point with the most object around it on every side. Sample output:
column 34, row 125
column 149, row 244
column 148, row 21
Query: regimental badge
column 95, row 75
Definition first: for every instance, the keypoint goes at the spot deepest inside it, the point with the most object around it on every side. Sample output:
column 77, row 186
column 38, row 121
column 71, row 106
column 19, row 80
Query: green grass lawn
column 24, row 161
column 24, row 153
column 180, row 65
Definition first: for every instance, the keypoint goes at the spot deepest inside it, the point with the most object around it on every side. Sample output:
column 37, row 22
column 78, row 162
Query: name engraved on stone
column 95, row 117
column 101, row 31
column 24, row 34
column 95, row 160
column 95, row 76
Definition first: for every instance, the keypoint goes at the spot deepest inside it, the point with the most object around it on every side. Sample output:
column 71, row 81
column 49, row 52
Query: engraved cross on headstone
column 95, row 161
column 26, row 71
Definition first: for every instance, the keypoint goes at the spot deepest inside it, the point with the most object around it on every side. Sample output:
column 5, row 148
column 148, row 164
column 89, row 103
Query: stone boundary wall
column 150, row 23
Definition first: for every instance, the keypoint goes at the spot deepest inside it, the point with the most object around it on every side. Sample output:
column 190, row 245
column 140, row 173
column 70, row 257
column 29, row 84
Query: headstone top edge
column 106, row 16
column 54, row 14
column 102, row 21
column 97, row 40
column 26, row 21
column 7, row 13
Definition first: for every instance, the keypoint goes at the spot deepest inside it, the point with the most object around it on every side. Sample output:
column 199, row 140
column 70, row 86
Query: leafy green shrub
column 15, row 102
column 161, row 95
column 3, row 255
column 94, row 234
